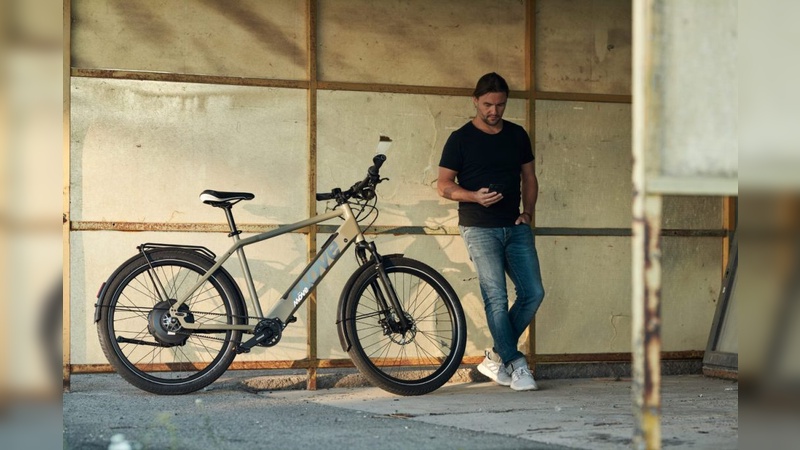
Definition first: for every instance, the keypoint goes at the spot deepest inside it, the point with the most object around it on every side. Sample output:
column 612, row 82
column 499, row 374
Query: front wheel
column 415, row 359
column 147, row 346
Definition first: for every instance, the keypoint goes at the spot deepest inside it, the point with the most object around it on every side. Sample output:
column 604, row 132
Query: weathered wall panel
column 445, row 43
column 583, row 160
column 583, row 46
column 691, row 281
column 692, row 213
column 583, row 164
column 696, row 60
column 587, row 306
column 143, row 151
column 243, row 38
column 349, row 125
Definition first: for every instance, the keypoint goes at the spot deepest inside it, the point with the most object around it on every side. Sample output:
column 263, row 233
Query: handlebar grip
column 377, row 162
column 324, row 196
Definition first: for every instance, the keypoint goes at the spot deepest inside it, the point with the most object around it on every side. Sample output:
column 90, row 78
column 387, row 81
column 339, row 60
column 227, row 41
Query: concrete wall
column 145, row 142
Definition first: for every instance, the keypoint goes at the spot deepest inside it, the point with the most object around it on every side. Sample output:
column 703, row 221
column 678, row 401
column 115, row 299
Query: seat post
column 231, row 222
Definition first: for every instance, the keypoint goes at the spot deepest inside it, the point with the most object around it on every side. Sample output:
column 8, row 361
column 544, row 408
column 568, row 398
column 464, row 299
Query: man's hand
column 486, row 198
column 523, row 218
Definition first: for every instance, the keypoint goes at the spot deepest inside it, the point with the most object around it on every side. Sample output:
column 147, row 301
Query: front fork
column 399, row 323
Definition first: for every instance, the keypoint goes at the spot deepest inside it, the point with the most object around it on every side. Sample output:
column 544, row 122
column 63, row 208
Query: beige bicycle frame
column 302, row 287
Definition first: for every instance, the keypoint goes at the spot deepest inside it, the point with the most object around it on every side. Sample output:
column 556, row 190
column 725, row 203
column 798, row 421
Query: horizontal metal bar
column 139, row 75
column 557, row 231
column 540, row 231
column 583, row 97
column 613, row 357
column 169, row 226
column 374, row 230
column 143, row 75
column 467, row 360
column 393, row 88
column 398, row 230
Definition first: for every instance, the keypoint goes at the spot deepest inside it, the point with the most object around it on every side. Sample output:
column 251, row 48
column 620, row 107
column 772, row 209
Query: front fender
column 340, row 315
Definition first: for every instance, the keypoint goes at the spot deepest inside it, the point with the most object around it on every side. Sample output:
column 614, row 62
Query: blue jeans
column 495, row 253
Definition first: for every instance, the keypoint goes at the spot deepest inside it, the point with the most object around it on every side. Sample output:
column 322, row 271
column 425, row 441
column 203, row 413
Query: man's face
column 490, row 107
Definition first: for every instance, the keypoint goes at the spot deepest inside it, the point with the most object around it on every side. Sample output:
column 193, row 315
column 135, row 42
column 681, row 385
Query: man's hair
column 491, row 82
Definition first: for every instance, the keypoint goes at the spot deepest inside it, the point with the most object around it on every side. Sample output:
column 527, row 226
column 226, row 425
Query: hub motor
column 165, row 328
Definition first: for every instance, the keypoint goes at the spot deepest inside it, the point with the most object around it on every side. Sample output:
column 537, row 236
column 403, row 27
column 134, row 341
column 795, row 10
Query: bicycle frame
column 300, row 289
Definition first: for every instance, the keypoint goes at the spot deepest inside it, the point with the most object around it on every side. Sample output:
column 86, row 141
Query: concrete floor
column 697, row 412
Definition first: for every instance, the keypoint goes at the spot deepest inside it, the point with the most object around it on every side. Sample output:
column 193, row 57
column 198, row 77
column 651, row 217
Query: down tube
column 313, row 274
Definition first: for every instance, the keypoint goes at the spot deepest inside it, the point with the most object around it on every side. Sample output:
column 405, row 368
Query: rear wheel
column 146, row 345
column 420, row 358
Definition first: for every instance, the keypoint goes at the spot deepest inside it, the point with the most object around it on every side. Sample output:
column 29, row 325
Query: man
column 483, row 165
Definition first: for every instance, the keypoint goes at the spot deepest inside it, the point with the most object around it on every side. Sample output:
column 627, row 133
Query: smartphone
column 496, row 187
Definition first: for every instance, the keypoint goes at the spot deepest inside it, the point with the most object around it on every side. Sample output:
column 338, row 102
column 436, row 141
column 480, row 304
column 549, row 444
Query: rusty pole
column 311, row 38
column 646, row 228
column 646, row 335
column 66, row 218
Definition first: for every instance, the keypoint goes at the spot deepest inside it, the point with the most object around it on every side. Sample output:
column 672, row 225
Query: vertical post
column 530, row 86
column 646, row 228
column 65, row 225
column 646, row 307
column 729, row 206
column 311, row 40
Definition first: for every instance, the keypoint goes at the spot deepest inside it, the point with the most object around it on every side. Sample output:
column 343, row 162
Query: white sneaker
column 494, row 371
column 521, row 377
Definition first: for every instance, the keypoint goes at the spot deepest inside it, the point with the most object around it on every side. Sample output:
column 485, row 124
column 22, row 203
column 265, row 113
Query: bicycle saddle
column 217, row 198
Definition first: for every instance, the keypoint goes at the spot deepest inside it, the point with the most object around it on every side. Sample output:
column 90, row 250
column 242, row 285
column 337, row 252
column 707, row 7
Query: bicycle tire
column 132, row 323
column 423, row 358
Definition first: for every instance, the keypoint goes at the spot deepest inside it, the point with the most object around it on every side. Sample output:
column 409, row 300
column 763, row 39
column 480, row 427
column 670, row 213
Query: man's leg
column 522, row 264
column 486, row 248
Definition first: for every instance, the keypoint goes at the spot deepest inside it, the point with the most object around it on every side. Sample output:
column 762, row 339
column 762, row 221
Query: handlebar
column 364, row 189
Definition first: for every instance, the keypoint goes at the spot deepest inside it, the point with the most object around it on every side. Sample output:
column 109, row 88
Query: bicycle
column 171, row 319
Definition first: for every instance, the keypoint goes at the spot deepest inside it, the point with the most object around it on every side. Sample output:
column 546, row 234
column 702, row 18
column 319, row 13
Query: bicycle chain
column 189, row 333
column 206, row 336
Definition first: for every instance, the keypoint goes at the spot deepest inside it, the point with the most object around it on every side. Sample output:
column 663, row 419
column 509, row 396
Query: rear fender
column 150, row 249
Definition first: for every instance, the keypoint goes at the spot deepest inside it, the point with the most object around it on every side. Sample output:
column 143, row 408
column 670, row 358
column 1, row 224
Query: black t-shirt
column 482, row 159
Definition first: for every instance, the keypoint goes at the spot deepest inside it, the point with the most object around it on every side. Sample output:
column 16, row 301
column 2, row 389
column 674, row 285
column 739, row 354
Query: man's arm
column 530, row 193
column 449, row 189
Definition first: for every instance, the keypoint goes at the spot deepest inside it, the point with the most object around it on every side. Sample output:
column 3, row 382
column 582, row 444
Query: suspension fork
column 402, row 325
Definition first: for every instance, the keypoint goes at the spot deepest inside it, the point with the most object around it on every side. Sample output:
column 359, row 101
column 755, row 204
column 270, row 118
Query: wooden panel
column 246, row 38
column 583, row 46
column 443, row 43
